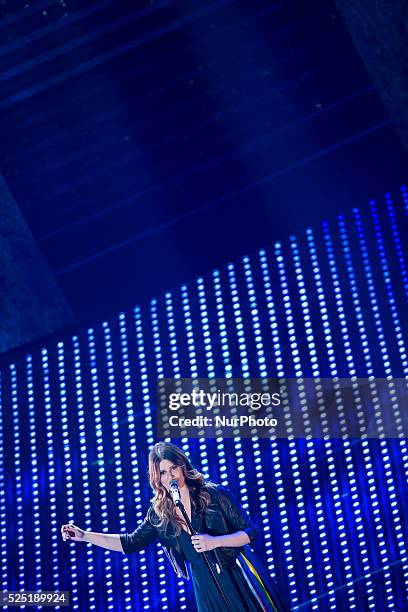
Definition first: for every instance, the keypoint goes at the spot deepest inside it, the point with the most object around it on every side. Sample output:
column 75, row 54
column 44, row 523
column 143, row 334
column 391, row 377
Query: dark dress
column 231, row 579
column 246, row 582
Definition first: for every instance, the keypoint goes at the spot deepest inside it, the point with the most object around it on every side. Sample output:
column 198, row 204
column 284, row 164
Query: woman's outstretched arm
column 111, row 541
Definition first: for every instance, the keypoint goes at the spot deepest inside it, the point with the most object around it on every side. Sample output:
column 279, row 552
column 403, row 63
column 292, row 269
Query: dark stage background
column 149, row 142
column 79, row 414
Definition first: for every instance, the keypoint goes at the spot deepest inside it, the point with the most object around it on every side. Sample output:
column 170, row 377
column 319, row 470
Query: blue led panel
column 78, row 417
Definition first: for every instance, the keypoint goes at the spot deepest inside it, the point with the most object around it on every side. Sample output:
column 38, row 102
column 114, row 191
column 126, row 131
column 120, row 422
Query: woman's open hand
column 71, row 532
column 203, row 542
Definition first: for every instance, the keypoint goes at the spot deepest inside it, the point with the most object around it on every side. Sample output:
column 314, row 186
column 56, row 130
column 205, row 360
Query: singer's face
column 169, row 471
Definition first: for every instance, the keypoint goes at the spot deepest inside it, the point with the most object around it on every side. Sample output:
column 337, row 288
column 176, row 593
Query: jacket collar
column 170, row 531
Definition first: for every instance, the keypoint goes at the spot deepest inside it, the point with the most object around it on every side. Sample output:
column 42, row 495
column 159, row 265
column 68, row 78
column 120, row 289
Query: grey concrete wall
column 31, row 303
column 379, row 29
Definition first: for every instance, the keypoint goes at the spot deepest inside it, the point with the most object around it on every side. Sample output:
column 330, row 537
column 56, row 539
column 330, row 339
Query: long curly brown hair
column 162, row 502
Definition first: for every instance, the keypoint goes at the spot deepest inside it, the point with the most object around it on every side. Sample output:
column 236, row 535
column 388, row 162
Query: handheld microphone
column 174, row 491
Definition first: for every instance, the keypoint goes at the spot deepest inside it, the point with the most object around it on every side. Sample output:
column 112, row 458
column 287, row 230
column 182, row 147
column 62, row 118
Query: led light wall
column 78, row 417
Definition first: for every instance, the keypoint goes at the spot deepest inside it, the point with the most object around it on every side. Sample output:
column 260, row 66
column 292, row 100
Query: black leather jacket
column 223, row 516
